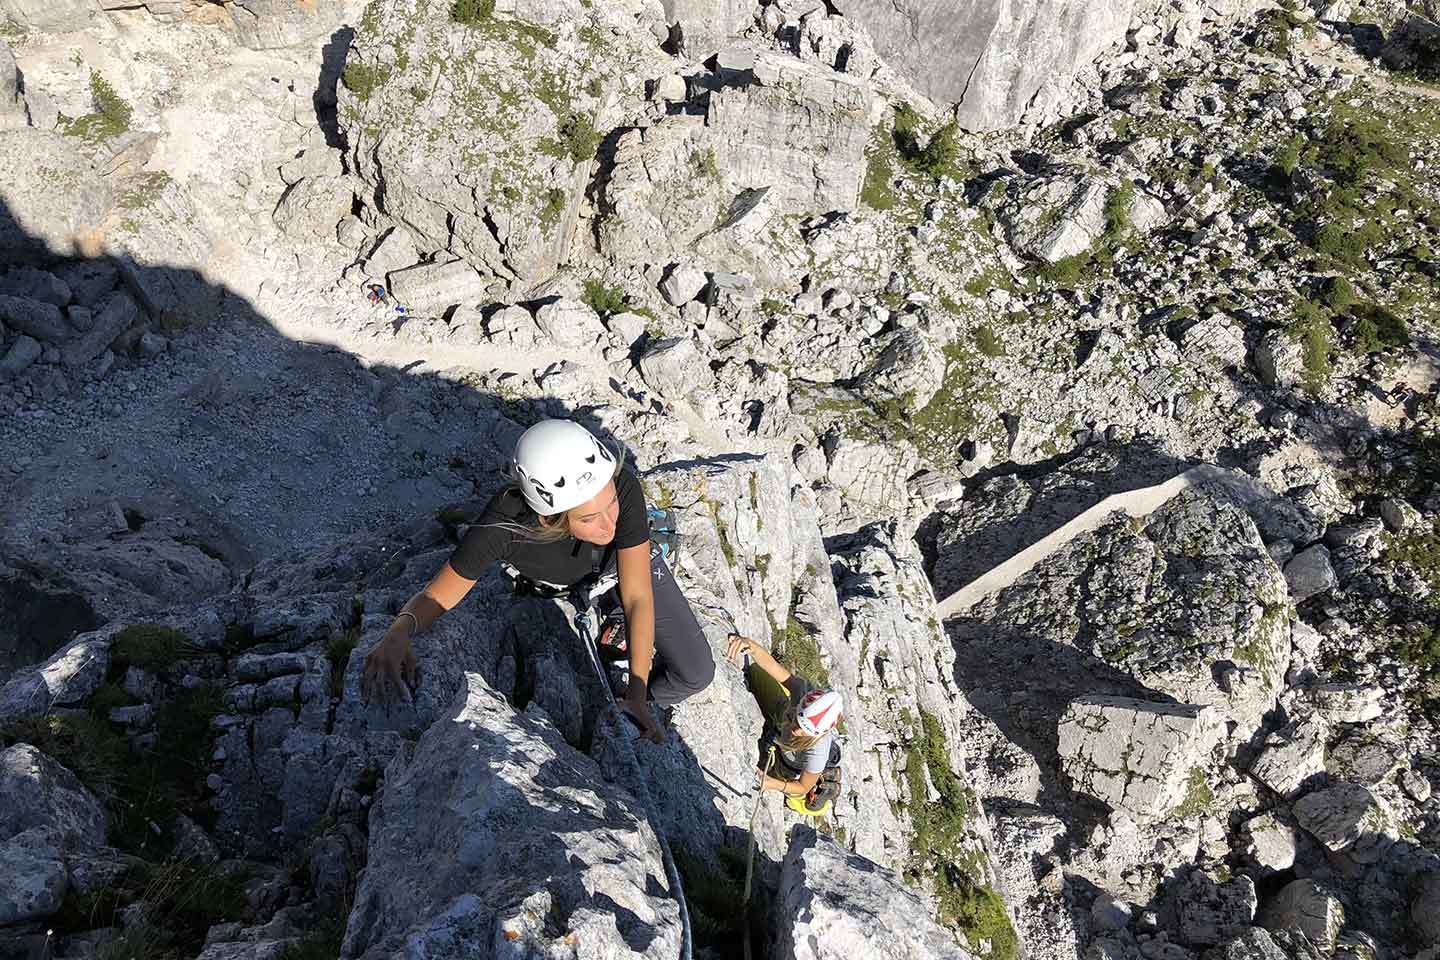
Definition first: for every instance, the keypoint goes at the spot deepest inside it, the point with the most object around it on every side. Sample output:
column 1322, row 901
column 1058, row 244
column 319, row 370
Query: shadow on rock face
column 39, row 612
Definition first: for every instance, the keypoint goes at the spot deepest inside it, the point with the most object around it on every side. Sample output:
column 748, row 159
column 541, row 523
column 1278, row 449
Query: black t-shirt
column 567, row 561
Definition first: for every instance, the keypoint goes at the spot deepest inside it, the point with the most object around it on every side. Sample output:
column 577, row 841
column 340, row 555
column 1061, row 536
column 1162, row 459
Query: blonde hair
column 552, row 529
column 791, row 737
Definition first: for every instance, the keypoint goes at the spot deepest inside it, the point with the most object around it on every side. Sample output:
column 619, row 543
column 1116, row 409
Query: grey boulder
column 1279, row 359
column 1345, row 817
column 1291, row 756
column 35, row 318
column 33, row 284
column 1133, row 755
column 836, row 905
column 1212, row 913
column 310, row 209
column 51, row 194
column 116, row 315
column 22, row 353
column 46, row 816
column 437, row 286
column 273, row 24
column 58, row 17
column 1310, row 909
column 1310, row 573
column 1254, row 943
column 497, row 832
column 569, row 323
column 1425, row 909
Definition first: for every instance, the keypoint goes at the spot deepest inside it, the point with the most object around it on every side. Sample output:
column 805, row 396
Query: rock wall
column 494, row 833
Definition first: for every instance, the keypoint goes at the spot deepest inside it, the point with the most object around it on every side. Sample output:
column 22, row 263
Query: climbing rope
column 587, row 624
column 750, row 851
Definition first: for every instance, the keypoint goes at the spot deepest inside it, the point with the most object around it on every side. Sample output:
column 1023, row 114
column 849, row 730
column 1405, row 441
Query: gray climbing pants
column 683, row 664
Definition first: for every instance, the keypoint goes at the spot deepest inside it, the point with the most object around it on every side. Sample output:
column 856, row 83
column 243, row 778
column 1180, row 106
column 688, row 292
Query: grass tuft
column 149, row 646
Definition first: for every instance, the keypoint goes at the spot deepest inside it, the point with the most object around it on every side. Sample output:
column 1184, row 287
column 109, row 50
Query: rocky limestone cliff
column 867, row 356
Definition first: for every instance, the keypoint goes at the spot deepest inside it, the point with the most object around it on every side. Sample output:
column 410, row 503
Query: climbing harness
column 665, row 533
column 750, row 849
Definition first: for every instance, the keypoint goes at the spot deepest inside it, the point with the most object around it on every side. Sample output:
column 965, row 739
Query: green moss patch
column 110, row 118
column 149, row 646
column 799, row 651
column 938, row 845
column 715, row 894
column 1198, row 796
column 1312, row 328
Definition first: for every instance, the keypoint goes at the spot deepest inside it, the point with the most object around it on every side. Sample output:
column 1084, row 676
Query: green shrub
column 471, row 12
column 1339, row 294
column 604, row 300
column 149, row 646
column 705, row 164
column 143, row 790
column 144, row 190
column 907, row 131
column 1421, row 647
column 1272, row 35
column 1198, row 796
column 979, row 911
column 554, row 207
column 940, row 154
column 1065, row 273
column 1117, row 209
column 1312, row 328
column 1354, row 146
column 109, row 697
column 876, row 192
column 716, row 897
column 1288, row 159
column 182, row 902
column 322, row 943
column 1378, row 329
column 1350, row 244
column 1420, row 551
column 577, row 138
column 938, row 844
column 337, row 650
column 87, row 745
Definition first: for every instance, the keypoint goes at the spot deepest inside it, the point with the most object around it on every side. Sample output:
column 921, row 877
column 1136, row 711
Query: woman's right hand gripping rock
column 390, row 667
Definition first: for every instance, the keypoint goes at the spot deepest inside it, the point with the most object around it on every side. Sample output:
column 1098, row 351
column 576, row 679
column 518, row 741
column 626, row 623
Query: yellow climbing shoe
column 801, row 805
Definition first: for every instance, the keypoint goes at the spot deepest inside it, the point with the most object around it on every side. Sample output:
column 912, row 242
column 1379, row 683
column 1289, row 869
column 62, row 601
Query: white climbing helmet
column 818, row 712
column 559, row 464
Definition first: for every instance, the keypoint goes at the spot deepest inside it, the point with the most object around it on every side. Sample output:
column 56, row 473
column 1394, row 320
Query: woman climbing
column 800, row 721
column 572, row 511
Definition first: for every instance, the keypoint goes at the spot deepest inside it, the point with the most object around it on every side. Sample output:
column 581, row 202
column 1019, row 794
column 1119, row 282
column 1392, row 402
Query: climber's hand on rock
column 390, row 668
column 640, row 713
column 737, row 647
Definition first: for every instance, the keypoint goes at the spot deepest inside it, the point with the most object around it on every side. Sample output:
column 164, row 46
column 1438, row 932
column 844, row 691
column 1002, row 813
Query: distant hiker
column 572, row 513
column 800, row 725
